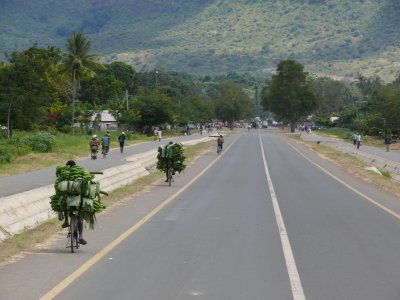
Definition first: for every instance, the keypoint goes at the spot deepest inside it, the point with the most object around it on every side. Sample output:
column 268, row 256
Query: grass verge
column 29, row 238
column 357, row 168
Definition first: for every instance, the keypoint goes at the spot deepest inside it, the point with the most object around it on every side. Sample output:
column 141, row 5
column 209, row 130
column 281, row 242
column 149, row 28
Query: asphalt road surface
column 267, row 219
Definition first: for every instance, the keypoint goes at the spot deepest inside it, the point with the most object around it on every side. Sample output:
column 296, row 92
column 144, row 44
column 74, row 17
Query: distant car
column 315, row 127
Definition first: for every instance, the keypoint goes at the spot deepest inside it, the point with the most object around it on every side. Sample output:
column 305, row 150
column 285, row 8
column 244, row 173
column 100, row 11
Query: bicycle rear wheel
column 74, row 239
column 169, row 177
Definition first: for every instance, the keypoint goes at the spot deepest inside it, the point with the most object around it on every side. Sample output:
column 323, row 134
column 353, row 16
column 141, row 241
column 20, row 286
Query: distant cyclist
column 94, row 146
column 169, row 153
column 220, row 143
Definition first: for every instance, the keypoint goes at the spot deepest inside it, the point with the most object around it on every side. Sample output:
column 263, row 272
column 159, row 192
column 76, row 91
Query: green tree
column 196, row 109
column 289, row 96
column 124, row 73
column 232, row 103
column 101, row 90
column 154, row 108
column 78, row 62
column 330, row 93
column 26, row 89
column 386, row 103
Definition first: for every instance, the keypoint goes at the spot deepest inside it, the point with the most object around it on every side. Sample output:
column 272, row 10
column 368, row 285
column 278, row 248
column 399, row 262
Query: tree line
column 366, row 105
column 42, row 88
column 47, row 88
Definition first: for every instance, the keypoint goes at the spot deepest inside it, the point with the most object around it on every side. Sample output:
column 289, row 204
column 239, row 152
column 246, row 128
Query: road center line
column 94, row 259
column 388, row 210
column 294, row 277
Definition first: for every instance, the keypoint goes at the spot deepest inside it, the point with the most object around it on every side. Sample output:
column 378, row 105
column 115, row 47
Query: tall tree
column 78, row 61
column 289, row 96
column 26, row 89
column 154, row 108
column 232, row 103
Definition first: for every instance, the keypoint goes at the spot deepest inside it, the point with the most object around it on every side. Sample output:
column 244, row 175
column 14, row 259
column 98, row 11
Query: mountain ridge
column 333, row 38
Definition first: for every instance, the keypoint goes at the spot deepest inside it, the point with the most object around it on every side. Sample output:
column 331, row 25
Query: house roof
column 103, row 116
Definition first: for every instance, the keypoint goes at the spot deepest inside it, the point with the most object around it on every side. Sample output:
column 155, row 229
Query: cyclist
column 105, row 144
column 169, row 151
column 80, row 220
column 94, row 146
column 220, row 142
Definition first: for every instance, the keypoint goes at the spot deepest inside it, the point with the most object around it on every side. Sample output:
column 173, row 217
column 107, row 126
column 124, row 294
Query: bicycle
column 170, row 173
column 73, row 232
column 219, row 149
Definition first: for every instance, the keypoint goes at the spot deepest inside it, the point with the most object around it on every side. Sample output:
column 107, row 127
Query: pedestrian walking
column 121, row 139
column 358, row 141
column 159, row 135
column 155, row 134
column 388, row 140
column 354, row 138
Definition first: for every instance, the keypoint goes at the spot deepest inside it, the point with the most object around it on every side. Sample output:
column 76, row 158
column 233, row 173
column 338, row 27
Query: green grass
column 65, row 147
column 341, row 133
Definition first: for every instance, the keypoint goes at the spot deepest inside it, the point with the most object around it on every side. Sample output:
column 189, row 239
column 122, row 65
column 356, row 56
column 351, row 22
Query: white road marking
column 294, row 277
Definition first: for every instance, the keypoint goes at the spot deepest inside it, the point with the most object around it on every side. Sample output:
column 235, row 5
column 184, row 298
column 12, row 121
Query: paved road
column 222, row 236
column 46, row 176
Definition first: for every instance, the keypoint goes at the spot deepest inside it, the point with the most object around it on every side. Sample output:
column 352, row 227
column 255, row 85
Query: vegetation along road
column 268, row 219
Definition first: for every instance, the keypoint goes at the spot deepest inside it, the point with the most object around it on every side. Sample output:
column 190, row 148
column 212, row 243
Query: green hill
column 336, row 38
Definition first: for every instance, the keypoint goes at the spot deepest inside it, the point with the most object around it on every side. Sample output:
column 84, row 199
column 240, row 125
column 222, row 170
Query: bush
column 5, row 156
column 40, row 142
column 17, row 148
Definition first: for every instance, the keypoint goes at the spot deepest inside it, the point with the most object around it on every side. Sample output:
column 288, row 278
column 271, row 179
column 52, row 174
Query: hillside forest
column 49, row 88
column 330, row 38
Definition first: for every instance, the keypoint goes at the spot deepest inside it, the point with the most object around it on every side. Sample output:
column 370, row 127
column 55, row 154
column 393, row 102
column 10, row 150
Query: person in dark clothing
column 388, row 140
column 121, row 140
column 220, row 142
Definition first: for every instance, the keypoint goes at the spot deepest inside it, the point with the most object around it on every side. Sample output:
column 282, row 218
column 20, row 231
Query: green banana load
column 75, row 190
column 175, row 153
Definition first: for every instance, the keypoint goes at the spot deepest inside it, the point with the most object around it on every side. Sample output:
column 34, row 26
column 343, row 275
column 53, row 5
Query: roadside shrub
column 40, row 142
column 16, row 147
column 5, row 156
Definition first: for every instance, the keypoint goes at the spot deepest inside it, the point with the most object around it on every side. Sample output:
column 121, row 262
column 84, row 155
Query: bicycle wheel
column 169, row 177
column 73, row 234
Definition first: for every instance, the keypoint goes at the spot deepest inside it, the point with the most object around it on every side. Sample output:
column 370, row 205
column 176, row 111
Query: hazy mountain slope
column 217, row 36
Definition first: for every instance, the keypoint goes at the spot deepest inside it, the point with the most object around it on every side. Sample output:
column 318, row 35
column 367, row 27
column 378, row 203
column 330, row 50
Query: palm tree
column 78, row 62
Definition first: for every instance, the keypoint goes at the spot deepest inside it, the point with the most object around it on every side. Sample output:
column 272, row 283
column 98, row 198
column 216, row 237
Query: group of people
column 105, row 144
column 356, row 138
column 157, row 134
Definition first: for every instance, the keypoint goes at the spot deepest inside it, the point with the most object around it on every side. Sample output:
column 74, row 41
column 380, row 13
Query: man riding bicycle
column 220, row 142
column 168, row 158
column 80, row 220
